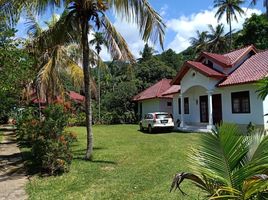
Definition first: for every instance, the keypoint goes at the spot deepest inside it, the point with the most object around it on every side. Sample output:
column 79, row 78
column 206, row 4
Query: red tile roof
column 76, row 97
column 205, row 70
column 155, row 91
column 228, row 59
column 253, row 69
column 172, row 90
column 236, row 55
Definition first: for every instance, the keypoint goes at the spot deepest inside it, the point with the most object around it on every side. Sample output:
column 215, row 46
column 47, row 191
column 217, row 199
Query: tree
column 200, row 41
column 171, row 59
column 229, row 8
column 147, row 53
column 217, row 39
column 229, row 165
column 53, row 63
column 255, row 31
column 98, row 41
column 77, row 18
column 151, row 71
column 16, row 69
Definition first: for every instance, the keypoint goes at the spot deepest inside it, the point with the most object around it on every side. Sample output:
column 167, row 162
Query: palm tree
column 52, row 63
column 200, row 42
column 229, row 165
column 217, row 39
column 229, row 8
column 98, row 41
column 76, row 20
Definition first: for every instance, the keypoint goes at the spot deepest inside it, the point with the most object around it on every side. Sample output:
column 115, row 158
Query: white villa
column 220, row 88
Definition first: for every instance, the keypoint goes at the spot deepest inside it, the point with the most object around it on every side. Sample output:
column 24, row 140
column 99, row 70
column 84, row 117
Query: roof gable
column 200, row 67
column 230, row 59
column 253, row 69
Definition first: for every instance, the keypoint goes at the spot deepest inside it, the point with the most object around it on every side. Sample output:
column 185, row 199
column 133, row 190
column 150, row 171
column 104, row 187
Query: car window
column 162, row 116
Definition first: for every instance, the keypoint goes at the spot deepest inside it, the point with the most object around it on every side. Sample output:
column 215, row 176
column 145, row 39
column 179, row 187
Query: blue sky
column 182, row 18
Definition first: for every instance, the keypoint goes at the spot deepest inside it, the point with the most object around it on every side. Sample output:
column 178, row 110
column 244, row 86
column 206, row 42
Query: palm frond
column 116, row 44
column 143, row 15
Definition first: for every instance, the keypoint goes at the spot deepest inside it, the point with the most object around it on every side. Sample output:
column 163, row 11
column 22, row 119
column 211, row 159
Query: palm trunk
column 86, row 69
column 230, row 24
column 99, row 95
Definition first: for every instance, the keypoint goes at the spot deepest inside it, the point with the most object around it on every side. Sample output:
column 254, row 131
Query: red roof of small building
column 253, row 69
column 155, row 91
column 75, row 96
column 172, row 90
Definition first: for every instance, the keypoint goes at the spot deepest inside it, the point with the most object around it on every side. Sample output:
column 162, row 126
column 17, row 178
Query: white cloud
column 163, row 10
column 185, row 27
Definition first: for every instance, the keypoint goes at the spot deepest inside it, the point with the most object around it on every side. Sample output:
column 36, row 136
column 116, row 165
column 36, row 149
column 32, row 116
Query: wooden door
column 217, row 108
column 203, row 102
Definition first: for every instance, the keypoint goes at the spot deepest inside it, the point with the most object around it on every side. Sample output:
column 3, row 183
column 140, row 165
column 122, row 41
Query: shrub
column 50, row 143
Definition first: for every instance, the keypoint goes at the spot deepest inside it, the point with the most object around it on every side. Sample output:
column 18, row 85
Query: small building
column 153, row 100
column 219, row 88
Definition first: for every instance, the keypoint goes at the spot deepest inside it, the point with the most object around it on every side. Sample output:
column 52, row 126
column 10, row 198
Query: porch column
column 210, row 110
column 182, row 110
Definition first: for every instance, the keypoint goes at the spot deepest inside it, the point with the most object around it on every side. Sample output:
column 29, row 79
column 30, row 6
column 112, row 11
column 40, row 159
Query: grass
column 1, row 136
column 127, row 164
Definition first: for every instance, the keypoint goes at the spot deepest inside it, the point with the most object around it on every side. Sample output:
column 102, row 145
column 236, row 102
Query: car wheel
column 150, row 129
column 141, row 128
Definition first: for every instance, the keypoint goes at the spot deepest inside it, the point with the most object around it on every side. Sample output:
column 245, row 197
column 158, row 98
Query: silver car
column 157, row 120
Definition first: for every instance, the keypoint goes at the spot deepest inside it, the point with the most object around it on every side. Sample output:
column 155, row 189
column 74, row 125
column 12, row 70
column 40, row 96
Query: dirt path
column 12, row 172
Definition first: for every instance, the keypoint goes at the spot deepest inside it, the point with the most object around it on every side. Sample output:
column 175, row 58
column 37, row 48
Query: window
column 210, row 64
column 169, row 104
column 186, row 105
column 240, row 102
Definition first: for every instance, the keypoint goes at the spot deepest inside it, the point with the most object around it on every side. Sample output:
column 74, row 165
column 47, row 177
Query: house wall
column 164, row 107
column 256, row 105
column 265, row 111
column 155, row 105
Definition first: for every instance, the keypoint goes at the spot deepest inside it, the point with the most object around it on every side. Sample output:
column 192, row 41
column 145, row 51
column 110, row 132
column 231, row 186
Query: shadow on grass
column 82, row 158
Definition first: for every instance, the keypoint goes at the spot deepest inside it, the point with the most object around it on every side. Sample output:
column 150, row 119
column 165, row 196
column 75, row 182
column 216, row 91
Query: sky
column 182, row 19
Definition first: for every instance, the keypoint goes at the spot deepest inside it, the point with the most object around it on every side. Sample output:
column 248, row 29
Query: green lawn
column 127, row 165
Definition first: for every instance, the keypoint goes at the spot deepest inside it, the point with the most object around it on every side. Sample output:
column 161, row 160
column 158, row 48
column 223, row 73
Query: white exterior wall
column 194, row 87
column 164, row 107
column 256, row 105
column 155, row 105
column 265, row 111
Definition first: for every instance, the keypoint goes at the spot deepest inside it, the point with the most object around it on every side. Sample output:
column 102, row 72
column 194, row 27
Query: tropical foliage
column 229, row 8
column 16, row 67
column 229, row 165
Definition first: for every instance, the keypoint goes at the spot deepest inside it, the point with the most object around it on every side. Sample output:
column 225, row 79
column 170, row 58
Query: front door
column 217, row 108
column 203, row 108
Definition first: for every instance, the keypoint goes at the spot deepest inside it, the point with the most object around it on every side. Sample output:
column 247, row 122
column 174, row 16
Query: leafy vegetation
column 127, row 164
column 47, row 139
column 16, row 67
column 227, row 164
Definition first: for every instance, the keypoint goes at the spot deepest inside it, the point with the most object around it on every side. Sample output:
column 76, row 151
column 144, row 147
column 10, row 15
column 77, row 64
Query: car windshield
column 162, row 116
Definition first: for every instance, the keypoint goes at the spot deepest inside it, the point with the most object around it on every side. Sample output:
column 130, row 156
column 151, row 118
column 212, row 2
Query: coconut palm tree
column 200, row 41
column 229, row 165
column 230, row 8
column 83, row 15
column 217, row 39
column 98, row 41
column 52, row 63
